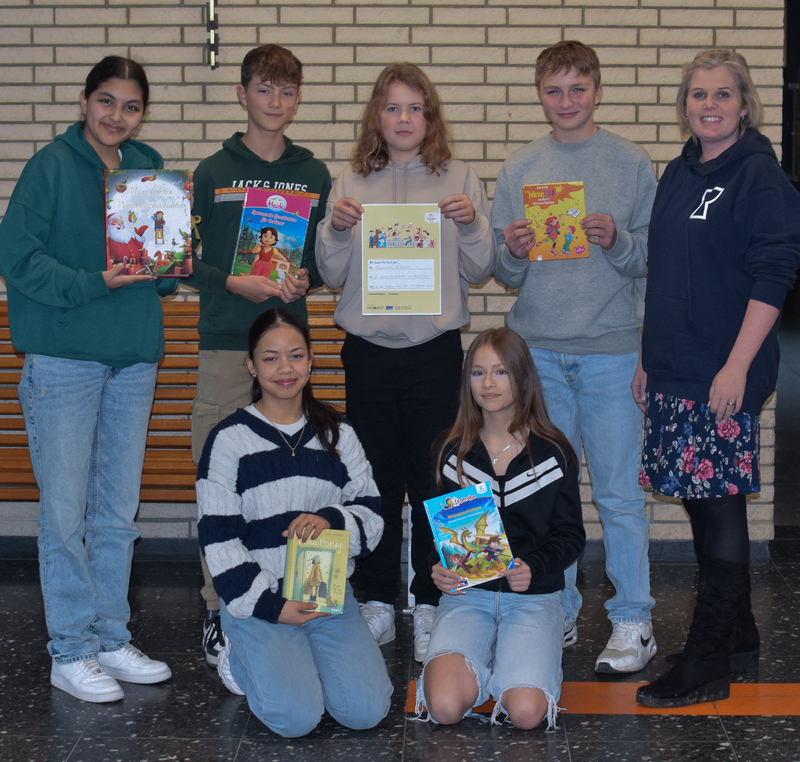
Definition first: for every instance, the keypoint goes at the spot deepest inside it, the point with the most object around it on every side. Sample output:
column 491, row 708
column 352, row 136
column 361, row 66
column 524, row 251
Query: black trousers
column 399, row 401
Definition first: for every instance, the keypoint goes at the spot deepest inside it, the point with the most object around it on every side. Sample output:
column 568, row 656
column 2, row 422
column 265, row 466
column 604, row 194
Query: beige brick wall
column 480, row 53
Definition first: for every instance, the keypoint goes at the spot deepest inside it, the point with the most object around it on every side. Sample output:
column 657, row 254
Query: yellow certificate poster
column 401, row 266
column 556, row 210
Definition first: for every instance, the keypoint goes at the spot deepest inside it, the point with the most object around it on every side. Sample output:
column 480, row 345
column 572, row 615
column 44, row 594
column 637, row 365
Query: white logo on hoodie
column 705, row 203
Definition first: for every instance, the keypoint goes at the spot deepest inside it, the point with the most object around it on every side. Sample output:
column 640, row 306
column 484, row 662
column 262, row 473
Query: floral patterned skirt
column 687, row 454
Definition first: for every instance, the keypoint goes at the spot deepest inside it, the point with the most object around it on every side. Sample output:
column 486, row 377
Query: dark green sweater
column 220, row 182
column 52, row 256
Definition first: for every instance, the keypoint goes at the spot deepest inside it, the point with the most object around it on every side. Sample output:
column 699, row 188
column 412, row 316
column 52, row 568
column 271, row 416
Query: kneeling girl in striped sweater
column 289, row 465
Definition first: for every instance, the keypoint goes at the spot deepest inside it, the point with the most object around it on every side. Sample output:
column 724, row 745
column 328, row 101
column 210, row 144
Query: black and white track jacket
column 540, row 506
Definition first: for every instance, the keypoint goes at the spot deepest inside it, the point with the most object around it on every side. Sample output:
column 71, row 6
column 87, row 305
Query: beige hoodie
column 467, row 251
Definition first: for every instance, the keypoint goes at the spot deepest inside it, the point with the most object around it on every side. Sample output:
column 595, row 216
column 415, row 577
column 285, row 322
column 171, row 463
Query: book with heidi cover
column 469, row 534
column 272, row 233
column 316, row 570
column 149, row 222
column 556, row 210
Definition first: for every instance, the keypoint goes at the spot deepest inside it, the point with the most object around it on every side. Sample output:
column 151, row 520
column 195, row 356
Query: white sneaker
column 130, row 665
column 380, row 620
column 424, row 614
column 86, row 680
column 224, row 670
column 570, row 634
column 629, row 648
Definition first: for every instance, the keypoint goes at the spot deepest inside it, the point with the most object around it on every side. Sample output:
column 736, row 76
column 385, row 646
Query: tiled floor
column 192, row 717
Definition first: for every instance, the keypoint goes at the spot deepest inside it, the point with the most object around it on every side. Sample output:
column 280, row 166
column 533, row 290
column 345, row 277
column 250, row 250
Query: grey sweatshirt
column 467, row 251
column 593, row 305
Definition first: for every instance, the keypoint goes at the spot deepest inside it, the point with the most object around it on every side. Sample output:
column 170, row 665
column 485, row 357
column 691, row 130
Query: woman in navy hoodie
column 724, row 247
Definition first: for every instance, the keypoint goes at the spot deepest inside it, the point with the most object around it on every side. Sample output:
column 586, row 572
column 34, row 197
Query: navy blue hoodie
column 722, row 233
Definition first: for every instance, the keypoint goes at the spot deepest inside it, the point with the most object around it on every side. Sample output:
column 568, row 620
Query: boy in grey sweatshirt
column 581, row 318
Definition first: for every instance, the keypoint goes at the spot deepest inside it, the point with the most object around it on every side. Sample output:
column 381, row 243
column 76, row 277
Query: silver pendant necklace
column 495, row 456
column 299, row 439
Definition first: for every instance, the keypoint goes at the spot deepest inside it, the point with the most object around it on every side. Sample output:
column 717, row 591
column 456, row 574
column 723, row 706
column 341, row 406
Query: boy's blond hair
column 566, row 55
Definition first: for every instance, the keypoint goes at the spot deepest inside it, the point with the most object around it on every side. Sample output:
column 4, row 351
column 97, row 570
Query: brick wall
column 480, row 53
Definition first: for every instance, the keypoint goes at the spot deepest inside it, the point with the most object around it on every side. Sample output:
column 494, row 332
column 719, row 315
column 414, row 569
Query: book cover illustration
column 401, row 259
column 556, row 210
column 272, row 233
column 469, row 534
column 148, row 222
column 316, row 570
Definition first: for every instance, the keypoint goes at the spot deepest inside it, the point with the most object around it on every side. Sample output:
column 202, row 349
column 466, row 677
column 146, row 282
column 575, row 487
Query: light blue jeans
column 508, row 640
column 589, row 398
column 87, row 429
column 291, row 675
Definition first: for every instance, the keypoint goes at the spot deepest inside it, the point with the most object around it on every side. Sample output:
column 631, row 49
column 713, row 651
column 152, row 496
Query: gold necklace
column 299, row 439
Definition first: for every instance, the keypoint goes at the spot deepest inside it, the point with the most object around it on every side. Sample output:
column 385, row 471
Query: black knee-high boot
column 745, row 643
column 703, row 670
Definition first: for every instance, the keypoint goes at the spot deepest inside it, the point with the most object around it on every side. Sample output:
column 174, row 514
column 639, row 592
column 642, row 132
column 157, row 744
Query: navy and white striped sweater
column 250, row 488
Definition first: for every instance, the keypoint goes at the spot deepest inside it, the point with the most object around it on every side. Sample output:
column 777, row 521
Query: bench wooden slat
column 168, row 474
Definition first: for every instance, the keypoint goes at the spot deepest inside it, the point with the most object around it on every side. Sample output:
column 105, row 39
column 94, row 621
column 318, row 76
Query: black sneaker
column 213, row 637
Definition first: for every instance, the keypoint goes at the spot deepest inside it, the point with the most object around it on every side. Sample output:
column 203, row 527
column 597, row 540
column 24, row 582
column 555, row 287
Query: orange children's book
column 148, row 222
column 556, row 211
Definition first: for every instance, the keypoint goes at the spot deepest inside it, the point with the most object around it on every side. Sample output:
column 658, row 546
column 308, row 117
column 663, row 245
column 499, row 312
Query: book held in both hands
column 555, row 211
column 272, row 233
column 469, row 534
column 148, row 222
column 316, row 570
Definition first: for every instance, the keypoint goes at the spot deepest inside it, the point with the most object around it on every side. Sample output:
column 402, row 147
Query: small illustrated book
column 469, row 534
column 149, row 222
column 316, row 570
column 272, row 233
column 556, row 211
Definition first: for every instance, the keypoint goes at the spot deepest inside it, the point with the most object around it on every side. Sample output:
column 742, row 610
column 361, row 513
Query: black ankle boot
column 703, row 670
column 745, row 643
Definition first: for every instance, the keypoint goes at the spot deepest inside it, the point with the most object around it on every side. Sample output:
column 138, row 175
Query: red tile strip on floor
column 747, row 699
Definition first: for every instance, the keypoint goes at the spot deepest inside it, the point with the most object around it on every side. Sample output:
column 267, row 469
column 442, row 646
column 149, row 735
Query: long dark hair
column 322, row 418
column 530, row 411
column 117, row 67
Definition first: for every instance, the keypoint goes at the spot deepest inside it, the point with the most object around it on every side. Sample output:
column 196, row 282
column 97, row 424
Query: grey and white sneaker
column 379, row 617
column 224, row 670
column 213, row 637
column 630, row 647
column 424, row 615
column 570, row 633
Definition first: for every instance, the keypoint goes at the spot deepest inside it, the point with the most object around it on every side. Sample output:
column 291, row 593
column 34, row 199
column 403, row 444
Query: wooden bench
column 169, row 473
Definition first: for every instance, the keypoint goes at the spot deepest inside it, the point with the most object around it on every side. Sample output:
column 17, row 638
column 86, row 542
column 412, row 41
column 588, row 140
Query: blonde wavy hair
column 370, row 153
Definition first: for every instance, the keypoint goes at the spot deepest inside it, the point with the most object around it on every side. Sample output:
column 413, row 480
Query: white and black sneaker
column 630, row 647
column 570, row 633
column 213, row 637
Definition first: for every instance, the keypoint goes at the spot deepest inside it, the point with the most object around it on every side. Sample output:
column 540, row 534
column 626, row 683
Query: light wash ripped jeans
column 87, row 430
column 509, row 641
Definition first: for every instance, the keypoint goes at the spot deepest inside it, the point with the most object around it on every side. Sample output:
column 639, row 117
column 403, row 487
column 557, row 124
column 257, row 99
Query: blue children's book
column 469, row 534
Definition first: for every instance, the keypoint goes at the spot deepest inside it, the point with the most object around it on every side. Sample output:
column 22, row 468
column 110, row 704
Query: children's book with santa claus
column 148, row 222
column 272, row 233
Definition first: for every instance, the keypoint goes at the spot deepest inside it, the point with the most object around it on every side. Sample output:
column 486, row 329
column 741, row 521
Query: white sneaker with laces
column 424, row 614
column 570, row 633
column 130, row 665
column 86, row 680
column 224, row 670
column 379, row 617
column 629, row 648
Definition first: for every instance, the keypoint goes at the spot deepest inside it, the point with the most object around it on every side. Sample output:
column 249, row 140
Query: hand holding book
column 307, row 526
column 519, row 578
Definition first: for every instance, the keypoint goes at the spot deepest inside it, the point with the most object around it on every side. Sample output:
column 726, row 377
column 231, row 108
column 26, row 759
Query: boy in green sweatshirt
column 261, row 157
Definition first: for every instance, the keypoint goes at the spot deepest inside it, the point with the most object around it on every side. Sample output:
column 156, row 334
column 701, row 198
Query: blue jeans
column 589, row 398
column 291, row 675
column 87, row 429
column 508, row 641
